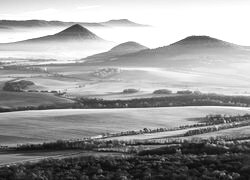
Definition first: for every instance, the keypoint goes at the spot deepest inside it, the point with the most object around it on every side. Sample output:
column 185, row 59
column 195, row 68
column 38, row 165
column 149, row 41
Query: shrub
column 162, row 91
column 17, row 85
column 184, row 92
column 130, row 91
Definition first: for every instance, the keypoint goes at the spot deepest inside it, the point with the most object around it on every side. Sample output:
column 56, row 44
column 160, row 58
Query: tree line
column 186, row 161
column 168, row 101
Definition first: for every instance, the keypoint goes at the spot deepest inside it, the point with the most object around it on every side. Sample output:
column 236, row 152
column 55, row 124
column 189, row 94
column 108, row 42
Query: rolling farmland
column 50, row 125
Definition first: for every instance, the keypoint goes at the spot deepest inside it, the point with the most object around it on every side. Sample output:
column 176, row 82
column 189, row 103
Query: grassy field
column 49, row 125
column 219, row 80
column 21, row 99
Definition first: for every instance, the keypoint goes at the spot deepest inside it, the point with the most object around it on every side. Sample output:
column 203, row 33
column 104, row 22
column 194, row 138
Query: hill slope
column 73, row 33
column 128, row 47
column 191, row 51
column 122, row 23
column 46, row 24
column 75, row 40
column 121, row 49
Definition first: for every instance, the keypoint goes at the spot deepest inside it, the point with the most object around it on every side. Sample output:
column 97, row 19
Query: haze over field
column 115, row 89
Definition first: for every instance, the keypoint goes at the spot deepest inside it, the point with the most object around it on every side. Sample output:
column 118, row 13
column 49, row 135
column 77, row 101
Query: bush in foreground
column 183, row 167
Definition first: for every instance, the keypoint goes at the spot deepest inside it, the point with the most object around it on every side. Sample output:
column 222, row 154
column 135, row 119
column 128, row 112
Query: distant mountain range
column 119, row 50
column 122, row 22
column 7, row 24
column 191, row 51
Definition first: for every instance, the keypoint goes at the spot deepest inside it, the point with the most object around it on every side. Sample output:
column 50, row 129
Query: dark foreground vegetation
column 192, row 161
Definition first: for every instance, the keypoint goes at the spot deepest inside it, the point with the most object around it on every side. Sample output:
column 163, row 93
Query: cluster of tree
column 130, row 146
column 225, row 139
column 17, row 86
column 219, row 118
column 84, row 144
column 207, row 121
column 105, row 72
column 25, row 68
column 215, row 128
column 188, row 148
column 205, row 147
column 222, row 140
column 148, row 130
column 175, row 146
column 40, row 107
column 100, row 144
column 58, row 93
column 184, row 92
column 181, row 92
column 185, row 166
column 91, row 144
column 162, row 91
column 130, row 91
column 167, row 101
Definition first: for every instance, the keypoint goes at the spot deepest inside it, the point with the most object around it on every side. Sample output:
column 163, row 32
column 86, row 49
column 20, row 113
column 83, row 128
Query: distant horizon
column 70, row 21
column 220, row 18
column 171, row 19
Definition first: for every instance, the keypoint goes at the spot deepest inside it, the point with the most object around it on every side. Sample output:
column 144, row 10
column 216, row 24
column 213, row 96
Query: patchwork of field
column 109, row 82
column 101, row 82
column 50, row 125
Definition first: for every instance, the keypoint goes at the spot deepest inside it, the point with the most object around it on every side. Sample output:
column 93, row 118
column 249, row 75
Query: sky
column 175, row 19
